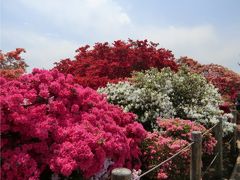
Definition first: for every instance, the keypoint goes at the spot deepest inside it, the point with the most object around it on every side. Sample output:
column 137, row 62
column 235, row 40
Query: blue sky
column 50, row 30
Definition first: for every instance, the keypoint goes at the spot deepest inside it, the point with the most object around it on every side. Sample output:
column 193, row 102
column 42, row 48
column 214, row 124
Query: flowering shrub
column 182, row 129
column 11, row 64
column 192, row 97
column 47, row 122
column 105, row 63
column 175, row 134
column 227, row 81
column 147, row 103
column 167, row 94
column 157, row 148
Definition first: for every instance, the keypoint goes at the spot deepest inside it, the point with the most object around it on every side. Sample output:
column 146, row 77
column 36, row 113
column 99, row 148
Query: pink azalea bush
column 48, row 123
column 182, row 129
column 156, row 149
column 174, row 135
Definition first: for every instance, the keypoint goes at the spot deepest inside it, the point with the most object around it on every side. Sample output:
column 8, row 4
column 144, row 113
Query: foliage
column 112, row 63
column 158, row 146
column 48, row 122
column 11, row 64
column 227, row 81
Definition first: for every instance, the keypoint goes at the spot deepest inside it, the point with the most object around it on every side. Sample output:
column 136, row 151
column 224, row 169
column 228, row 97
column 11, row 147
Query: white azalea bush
column 167, row 94
column 189, row 93
column 147, row 103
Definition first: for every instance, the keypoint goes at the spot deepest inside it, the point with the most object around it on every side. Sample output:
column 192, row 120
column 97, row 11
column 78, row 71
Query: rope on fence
column 210, row 129
column 217, row 154
column 150, row 170
column 230, row 140
column 210, row 164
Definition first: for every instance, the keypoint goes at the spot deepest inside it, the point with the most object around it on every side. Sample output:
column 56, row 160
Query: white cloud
column 94, row 16
column 42, row 51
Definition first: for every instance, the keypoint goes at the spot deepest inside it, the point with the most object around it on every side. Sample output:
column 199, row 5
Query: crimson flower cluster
column 50, row 123
column 105, row 63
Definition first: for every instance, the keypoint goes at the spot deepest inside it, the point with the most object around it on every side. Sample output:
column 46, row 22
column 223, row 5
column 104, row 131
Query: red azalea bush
column 11, row 64
column 175, row 134
column 50, row 123
column 227, row 81
column 105, row 63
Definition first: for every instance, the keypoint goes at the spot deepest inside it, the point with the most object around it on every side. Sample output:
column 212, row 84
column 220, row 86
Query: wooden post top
column 121, row 174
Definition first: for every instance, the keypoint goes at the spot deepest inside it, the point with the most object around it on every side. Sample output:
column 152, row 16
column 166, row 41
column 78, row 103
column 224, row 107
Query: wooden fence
column 196, row 154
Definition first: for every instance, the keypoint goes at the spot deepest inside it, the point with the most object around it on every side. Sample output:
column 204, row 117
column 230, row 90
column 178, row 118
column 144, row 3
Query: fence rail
column 196, row 154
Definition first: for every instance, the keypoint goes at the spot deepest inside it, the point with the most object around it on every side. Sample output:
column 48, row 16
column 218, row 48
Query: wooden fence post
column 196, row 156
column 218, row 132
column 121, row 174
column 234, row 138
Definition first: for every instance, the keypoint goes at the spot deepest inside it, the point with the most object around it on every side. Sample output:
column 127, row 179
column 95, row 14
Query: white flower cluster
column 197, row 100
column 204, row 108
column 166, row 94
column 228, row 127
column 146, row 103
